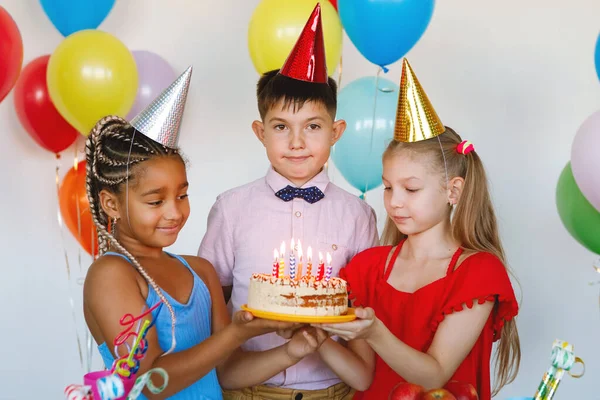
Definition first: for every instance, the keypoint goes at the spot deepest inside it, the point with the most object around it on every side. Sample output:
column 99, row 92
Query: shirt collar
column 277, row 181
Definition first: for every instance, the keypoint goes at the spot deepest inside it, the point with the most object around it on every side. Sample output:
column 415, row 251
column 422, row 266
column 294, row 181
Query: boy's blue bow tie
column 311, row 194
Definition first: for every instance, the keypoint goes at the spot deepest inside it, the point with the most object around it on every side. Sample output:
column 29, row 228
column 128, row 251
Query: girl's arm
column 453, row 341
column 112, row 290
column 242, row 369
column 354, row 364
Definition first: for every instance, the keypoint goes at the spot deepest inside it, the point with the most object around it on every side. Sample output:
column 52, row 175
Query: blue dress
column 193, row 325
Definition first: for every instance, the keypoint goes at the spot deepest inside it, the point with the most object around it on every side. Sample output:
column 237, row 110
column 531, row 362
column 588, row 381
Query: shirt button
column 298, row 214
column 334, row 247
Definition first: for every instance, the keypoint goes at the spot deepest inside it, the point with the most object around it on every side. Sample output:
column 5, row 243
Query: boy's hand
column 304, row 342
column 246, row 326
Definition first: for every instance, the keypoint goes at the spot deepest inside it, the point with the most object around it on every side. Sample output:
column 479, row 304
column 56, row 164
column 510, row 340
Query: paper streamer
column 562, row 360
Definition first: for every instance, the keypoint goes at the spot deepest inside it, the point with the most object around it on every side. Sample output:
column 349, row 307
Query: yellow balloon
column 91, row 74
column 275, row 27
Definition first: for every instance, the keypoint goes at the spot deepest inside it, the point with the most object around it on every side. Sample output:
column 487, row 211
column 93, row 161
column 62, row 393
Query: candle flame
column 275, row 254
column 292, row 246
column 309, row 254
column 299, row 251
column 282, row 249
column 320, row 258
column 328, row 259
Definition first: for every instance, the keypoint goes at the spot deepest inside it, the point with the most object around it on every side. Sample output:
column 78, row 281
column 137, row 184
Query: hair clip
column 465, row 147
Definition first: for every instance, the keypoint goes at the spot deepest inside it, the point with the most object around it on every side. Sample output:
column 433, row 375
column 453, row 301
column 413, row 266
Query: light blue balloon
column 358, row 153
column 70, row 16
column 597, row 57
column 385, row 30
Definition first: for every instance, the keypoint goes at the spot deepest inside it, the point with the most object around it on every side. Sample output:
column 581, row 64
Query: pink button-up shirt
column 246, row 223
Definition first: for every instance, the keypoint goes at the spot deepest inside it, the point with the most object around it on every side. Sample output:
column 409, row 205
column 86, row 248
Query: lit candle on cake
column 321, row 267
column 328, row 270
column 308, row 261
column 281, row 261
column 299, row 273
column 275, row 263
column 292, row 262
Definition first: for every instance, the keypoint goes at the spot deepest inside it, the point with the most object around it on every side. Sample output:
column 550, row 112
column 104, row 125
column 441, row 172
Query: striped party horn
column 562, row 360
column 110, row 387
column 78, row 392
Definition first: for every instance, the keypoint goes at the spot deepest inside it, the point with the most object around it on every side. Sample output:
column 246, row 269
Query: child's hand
column 288, row 333
column 247, row 326
column 361, row 328
column 304, row 342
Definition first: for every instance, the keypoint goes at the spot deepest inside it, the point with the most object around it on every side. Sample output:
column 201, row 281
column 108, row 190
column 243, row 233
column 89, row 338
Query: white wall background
column 515, row 77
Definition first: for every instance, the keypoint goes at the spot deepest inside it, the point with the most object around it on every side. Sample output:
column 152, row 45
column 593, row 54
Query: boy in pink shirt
column 295, row 199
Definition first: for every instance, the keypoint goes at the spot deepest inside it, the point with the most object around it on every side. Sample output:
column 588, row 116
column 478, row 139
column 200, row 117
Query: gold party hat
column 415, row 118
column 161, row 120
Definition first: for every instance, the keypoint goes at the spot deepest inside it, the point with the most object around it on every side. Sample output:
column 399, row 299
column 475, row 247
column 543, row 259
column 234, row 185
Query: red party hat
column 306, row 61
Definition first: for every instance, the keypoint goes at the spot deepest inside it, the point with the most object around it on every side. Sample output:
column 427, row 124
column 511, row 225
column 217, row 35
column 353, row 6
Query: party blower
column 120, row 382
column 562, row 360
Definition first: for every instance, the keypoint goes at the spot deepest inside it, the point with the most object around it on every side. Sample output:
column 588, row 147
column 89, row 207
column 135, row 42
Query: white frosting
column 304, row 297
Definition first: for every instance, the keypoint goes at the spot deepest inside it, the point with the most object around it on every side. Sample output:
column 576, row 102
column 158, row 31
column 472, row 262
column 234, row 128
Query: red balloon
column 334, row 2
column 36, row 112
column 75, row 209
column 11, row 53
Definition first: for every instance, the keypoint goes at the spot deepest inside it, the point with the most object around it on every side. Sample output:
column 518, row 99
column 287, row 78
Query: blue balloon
column 357, row 155
column 70, row 16
column 385, row 30
column 597, row 57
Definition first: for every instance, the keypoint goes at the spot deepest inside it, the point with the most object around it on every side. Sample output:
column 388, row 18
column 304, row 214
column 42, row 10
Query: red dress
column 414, row 317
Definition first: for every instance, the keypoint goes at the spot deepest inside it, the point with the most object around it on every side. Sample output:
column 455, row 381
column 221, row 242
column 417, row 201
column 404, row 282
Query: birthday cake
column 317, row 294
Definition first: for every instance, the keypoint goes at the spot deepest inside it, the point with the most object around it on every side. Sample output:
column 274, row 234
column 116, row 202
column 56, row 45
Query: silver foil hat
column 161, row 120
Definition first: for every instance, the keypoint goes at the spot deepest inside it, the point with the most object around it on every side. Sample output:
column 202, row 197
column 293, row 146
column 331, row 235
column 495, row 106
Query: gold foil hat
column 161, row 120
column 415, row 118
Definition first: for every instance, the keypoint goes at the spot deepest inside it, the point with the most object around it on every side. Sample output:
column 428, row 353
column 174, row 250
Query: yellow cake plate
column 308, row 319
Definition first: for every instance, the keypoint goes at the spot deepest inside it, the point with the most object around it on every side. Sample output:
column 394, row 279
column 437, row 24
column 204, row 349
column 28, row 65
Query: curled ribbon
column 137, row 350
column 562, row 360
column 144, row 380
column 129, row 363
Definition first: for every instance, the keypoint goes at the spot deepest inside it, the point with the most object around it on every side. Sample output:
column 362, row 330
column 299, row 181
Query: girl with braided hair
column 137, row 190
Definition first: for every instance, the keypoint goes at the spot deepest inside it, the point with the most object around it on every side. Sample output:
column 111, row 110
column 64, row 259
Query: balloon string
column 88, row 336
column 78, row 210
column 339, row 84
column 62, row 239
column 339, row 79
column 373, row 121
column 596, row 266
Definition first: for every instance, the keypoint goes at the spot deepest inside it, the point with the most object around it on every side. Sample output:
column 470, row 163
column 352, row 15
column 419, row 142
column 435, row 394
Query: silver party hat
column 161, row 120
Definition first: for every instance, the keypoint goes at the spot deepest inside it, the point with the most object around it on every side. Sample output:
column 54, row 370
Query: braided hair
column 112, row 149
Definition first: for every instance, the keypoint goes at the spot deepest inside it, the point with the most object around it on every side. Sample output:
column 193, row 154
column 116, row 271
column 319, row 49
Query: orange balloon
column 74, row 205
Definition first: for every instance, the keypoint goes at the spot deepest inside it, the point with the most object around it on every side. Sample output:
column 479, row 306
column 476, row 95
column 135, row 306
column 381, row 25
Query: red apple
column 438, row 394
column 407, row 391
column 462, row 390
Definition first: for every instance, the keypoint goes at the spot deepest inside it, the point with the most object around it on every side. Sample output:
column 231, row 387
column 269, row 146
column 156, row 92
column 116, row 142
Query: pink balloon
column 154, row 75
column 585, row 159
